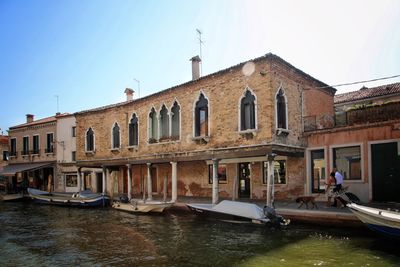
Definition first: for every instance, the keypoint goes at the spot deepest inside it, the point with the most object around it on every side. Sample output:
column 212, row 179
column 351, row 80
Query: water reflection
column 36, row 235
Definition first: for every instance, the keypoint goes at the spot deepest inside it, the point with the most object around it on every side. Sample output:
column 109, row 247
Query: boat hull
column 143, row 207
column 379, row 220
column 11, row 197
column 66, row 199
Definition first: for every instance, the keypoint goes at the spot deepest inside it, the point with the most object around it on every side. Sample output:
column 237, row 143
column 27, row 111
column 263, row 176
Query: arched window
column 90, row 140
column 175, row 121
column 153, row 126
column 281, row 110
column 164, row 120
column 247, row 112
column 115, row 136
column 201, row 116
column 133, row 131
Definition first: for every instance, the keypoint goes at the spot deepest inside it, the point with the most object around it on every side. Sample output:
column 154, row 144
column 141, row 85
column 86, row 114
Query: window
column 153, row 126
column 73, row 131
column 318, row 170
column 115, row 136
column 221, row 174
column 201, row 116
column 347, row 160
column 71, row 180
column 247, row 112
column 36, row 146
column 73, row 156
column 164, row 120
column 279, row 172
column 90, row 140
column 133, row 131
column 281, row 110
column 5, row 155
column 50, row 143
column 175, row 121
column 13, row 147
column 25, row 145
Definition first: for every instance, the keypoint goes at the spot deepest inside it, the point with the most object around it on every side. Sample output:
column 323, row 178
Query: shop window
column 221, row 174
column 347, row 160
column 279, row 172
column 71, row 180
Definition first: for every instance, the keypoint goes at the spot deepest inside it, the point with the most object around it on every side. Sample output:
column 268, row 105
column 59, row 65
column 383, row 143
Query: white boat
column 379, row 220
column 239, row 211
column 136, row 205
column 81, row 199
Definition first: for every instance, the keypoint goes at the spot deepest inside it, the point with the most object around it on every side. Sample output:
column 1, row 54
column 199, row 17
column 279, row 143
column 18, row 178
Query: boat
column 11, row 197
column 80, row 199
column 143, row 206
column 380, row 220
column 235, row 211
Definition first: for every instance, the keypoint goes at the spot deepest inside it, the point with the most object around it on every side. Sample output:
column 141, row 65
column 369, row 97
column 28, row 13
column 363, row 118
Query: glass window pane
column 348, row 162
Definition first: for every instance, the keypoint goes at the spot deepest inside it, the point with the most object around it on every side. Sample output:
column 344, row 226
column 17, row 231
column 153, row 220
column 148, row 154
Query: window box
column 201, row 139
column 90, row 153
column 134, row 148
column 152, row 141
column 282, row 132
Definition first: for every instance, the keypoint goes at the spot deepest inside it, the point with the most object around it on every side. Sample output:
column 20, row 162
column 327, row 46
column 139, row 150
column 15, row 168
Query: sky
column 70, row 55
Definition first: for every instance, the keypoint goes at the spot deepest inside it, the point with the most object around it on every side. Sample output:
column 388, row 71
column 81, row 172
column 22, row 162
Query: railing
column 35, row 152
column 25, row 152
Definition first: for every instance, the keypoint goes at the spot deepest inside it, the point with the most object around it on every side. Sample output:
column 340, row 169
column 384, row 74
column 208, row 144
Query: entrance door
column 154, row 179
column 125, row 180
column 244, row 180
column 318, row 168
column 385, row 172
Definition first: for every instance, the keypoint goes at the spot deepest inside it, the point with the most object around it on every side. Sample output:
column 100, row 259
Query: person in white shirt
column 338, row 184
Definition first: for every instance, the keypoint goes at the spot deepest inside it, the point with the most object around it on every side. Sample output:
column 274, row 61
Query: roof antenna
column 201, row 56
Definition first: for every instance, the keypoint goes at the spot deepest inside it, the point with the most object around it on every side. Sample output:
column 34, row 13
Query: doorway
column 99, row 182
column 318, row 170
column 385, row 165
column 154, row 179
column 244, row 180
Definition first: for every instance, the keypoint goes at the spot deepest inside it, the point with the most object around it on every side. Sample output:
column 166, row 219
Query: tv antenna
column 201, row 56
column 138, row 82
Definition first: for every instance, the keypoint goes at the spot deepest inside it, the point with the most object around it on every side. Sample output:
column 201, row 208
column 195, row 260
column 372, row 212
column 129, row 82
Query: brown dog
column 306, row 200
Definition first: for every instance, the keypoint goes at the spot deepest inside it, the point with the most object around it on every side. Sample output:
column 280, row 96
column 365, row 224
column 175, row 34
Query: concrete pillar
column 174, row 193
column 215, row 186
column 103, row 190
column 149, row 184
column 79, row 180
column 270, row 179
column 129, row 181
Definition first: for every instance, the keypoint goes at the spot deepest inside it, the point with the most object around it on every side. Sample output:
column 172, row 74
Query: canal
column 39, row 235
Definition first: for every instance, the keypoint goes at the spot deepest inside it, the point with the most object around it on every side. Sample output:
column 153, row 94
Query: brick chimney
column 29, row 118
column 195, row 67
column 129, row 94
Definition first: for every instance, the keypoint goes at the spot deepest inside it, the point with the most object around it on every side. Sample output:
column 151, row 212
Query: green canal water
column 39, row 235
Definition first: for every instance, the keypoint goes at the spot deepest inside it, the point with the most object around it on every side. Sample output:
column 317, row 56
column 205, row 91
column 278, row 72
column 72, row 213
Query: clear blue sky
column 87, row 52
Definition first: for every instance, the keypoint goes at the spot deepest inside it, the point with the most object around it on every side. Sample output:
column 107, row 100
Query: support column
column 270, row 179
column 149, row 184
column 129, row 181
column 174, row 194
column 215, row 186
column 79, row 179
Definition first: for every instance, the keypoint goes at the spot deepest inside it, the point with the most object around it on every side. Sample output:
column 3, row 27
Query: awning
column 10, row 170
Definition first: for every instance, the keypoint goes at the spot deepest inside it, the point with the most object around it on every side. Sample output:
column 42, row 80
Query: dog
column 306, row 200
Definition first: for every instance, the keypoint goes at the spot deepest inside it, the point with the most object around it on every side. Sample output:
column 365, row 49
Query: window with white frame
column 115, row 136
column 279, row 172
column 153, row 126
column 281, row 109
column 71, row 180
column 201, row 116
column 133, row 131
column 164, row 122
column 90, row 140
column 175, row 121
column 247, row 112
column 347, row 161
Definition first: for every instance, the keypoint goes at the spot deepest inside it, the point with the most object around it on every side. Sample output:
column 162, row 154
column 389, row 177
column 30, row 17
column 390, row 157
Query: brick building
column 222, row 125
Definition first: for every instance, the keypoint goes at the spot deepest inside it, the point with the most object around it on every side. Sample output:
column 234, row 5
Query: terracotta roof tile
column 367, row 93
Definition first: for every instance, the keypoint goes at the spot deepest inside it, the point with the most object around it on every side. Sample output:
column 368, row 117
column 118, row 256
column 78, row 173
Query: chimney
column 129, row 94
column 195, row 67
column 29, row 118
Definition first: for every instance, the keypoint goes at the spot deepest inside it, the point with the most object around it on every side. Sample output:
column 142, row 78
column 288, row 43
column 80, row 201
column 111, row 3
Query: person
column 330, row 187
column 338, row 184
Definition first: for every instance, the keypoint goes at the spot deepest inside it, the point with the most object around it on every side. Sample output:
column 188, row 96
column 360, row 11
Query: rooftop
column 368, row 93
column 40, row 121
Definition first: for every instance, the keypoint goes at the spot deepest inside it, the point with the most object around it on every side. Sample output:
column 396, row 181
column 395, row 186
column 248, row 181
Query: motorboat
column 80, row 199
column 380, row 220
column 228, row 210
column 143, row 206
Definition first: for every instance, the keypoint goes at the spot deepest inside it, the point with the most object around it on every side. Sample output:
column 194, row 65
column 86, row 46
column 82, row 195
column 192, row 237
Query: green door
column 385, row 172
